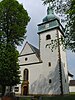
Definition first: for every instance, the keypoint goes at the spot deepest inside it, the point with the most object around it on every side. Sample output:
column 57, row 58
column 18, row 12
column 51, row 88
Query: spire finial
column 49, row 4
column 50, row 12
column 49, row 9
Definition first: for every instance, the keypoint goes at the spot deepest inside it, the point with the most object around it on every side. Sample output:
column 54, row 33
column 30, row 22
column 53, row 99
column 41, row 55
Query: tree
column 60, row 6
column 13, row 21
column 9, row 67
column 70, row 32
column 66, row 8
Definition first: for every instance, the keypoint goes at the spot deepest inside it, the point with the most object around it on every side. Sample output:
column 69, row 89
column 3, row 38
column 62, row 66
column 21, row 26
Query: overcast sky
column 37, row 11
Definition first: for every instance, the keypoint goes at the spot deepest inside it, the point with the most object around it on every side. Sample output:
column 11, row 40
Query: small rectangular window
column 49, row 64
column 65, row 80
column 16, row 89
column 50, row 80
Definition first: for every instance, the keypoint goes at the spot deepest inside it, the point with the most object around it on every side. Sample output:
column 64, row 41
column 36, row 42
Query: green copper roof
column 50, row 15
column 50, row 22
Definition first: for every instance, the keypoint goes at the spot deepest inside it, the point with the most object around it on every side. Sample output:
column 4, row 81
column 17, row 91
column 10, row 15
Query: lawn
column 65, row 97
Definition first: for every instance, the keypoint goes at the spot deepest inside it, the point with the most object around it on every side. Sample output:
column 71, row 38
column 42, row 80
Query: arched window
column 48, row 37
column 25, row 75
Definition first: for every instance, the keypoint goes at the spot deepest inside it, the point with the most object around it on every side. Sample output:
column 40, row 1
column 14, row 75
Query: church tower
column 54, row 63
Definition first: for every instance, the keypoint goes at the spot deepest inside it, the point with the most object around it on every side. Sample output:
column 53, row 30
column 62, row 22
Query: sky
column 37, row 11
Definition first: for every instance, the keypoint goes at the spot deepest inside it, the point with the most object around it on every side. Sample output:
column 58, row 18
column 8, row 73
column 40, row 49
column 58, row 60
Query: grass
column 24, row 98
column 73, row 93
column 68, row 97
column 65, row 97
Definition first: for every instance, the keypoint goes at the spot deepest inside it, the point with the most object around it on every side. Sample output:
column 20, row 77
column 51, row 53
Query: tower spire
column 50, row 13
column 50, row 9
column 49, row 3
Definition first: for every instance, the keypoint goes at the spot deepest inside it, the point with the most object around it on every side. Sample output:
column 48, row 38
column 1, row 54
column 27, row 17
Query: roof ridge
column 35, row 50
column 33, row 46
column 24, row 46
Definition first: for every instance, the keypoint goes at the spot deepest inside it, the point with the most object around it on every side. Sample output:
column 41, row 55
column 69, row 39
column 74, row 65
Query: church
column 43, row 71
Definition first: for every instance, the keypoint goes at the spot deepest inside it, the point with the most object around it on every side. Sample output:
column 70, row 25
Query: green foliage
column 9, row 67
column 70, row 32
column 54, row 43
column 47, row 1
column 65, row 8
column 13, row 21
column 59, row 6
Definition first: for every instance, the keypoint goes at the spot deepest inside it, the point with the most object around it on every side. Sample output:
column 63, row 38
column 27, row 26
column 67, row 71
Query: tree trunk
column 3, row 89
column 10, row 88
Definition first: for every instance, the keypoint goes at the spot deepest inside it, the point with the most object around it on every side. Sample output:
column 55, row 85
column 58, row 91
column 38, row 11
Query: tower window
column 65, row 80
column 50, row 80
column 48, row 37
column 47, row 25
column 49, row 64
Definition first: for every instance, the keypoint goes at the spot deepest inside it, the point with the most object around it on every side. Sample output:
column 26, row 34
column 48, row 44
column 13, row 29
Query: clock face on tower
column 47, row 25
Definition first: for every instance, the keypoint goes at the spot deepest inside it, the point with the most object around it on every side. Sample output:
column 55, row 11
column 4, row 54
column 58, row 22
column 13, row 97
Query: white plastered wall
column 41, row 73
column 30, row 59
column 64, row 67
column 26, row 49
column 72, row 88
column 47, row 56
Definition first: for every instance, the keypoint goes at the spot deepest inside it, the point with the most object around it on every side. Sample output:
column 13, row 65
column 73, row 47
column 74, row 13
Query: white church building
column 44, row 72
